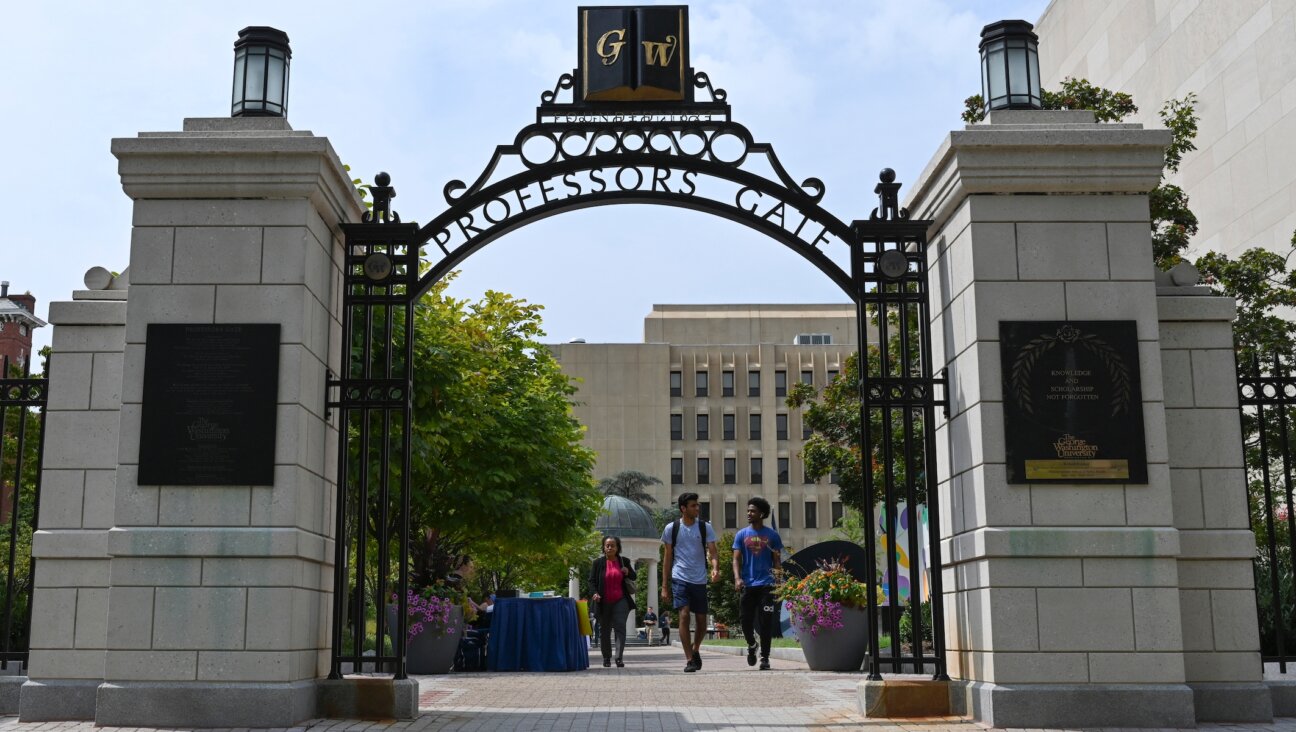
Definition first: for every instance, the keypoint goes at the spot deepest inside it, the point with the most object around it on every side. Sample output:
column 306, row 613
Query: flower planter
column 432, row 651
column 839, row 649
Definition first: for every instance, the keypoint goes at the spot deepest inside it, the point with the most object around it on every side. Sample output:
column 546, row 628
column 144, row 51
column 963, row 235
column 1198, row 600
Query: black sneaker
column 691, row 666
column 751, row 655
column 764, row 664
column 697, row 661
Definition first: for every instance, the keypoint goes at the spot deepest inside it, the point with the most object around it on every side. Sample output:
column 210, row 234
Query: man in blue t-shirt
column 757, row 552
column 684, row 574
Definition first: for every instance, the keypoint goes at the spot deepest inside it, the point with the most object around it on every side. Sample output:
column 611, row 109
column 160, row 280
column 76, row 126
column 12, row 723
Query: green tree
column 631, row 484
column 498, row 467
column 723, row 599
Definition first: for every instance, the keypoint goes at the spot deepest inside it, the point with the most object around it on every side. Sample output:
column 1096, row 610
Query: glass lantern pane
column 985, row 80
column 1033, row 57
column 274, row 82
column 240, row 61
column 1017, row 71
column 995, row 77
column 256, row 76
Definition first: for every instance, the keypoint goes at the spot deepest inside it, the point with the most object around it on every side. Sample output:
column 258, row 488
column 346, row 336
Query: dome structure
column 624, row 518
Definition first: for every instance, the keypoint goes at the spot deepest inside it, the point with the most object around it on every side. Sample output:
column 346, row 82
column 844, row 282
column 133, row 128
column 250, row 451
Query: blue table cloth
column 540, row 634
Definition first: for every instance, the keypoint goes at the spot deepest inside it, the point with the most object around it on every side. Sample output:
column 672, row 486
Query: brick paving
column 651, row 694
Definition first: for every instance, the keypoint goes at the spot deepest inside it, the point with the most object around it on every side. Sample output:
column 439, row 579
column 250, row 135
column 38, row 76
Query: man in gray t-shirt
column 684, row 574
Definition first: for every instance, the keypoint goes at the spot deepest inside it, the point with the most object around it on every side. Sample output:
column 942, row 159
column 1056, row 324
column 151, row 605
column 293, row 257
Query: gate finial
column 383, row 193
column 888, row 198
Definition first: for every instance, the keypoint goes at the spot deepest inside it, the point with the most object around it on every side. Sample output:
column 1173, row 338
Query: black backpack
column 701, row 535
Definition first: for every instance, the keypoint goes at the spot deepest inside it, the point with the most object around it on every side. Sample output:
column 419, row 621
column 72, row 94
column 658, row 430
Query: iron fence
column 22, row 429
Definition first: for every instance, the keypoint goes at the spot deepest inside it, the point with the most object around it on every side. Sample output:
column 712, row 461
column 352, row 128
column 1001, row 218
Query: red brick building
column 17, row 320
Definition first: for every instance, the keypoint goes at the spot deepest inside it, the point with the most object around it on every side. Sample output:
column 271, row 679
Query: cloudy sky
column 426, row 90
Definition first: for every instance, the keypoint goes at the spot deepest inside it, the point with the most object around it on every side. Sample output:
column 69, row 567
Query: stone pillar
column 1062, row 601
column 1217, row 601
column 218, row 606
column 78, row 486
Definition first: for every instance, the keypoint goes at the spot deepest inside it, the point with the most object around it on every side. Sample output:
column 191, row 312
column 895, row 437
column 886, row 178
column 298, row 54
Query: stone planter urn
column 432, row 651
column 839, row 649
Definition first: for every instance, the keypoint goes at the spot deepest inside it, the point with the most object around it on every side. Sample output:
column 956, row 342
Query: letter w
column 659, row 54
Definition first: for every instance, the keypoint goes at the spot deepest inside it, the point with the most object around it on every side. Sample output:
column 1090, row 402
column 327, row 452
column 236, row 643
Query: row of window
column 702, row 382
column 728, row 423
column 756, row 472
column 811, row 515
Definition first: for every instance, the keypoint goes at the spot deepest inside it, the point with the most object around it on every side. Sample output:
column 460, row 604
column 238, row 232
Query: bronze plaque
column 1073, row 406
column 633, row 54
column 210, row 394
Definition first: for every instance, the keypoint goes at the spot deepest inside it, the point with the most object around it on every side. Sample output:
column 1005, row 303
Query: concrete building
column 1237, row 58
column 17, row 320
column 700, row 404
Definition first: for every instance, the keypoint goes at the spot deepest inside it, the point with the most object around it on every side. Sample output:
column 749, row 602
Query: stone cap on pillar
column 238, row 158
column 1038, row 152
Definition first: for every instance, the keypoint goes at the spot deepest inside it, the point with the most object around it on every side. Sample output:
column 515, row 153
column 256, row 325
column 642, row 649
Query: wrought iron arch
column 558, row 159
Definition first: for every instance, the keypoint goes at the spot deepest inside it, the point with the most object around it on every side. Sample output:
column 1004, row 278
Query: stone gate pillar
column 218, row 596
column 1062, row 600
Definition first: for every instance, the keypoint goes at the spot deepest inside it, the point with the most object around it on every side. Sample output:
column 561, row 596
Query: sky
column 426, row 90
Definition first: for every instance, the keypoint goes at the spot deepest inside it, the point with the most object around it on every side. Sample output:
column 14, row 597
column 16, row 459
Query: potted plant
column 436, row 625
column 829, row 611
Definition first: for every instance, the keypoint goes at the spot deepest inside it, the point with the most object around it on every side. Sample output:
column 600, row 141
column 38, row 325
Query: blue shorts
column 687, row 593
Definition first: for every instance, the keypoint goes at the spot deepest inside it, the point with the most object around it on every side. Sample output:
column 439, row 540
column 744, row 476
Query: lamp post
column 261, row 59
column 1010, row 66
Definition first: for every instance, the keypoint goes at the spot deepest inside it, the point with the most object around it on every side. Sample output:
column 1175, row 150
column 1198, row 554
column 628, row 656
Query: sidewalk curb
column 783, row 654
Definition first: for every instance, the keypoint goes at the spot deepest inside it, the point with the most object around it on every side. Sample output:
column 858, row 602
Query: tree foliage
column 498, row 468
column 631, row 484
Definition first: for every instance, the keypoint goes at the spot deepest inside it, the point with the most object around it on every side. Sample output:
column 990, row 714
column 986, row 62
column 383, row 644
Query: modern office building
column 700, row 405
column 1237, row 57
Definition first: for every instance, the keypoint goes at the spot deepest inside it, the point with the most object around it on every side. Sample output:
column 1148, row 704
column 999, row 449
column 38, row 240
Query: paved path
column 652, row 693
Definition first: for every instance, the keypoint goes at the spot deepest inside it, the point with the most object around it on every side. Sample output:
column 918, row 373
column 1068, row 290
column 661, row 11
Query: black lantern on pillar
column 1010, row 66
column 261, row 58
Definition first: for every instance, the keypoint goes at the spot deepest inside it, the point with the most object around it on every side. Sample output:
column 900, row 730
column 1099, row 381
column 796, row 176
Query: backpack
column 701, row 534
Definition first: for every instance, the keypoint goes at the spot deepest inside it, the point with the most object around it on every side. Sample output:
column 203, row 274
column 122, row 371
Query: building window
column 805, row 476
column 705, row 512
column 677, row 426
column 783, row 471
column 727, row 422
column 780, row 426
column 730, row 471
column 700, row 381
column 727, row 383
column 780, row 383
column 731, row 515
column 814, row 339
column 677, row 471
column 756, row 464
column 22, row 329
column 785, row 514
column 807, row 377
column 832, row 375
column 677, row 383
column 836, row 513
column 703, row 426
column 753, row 383
column 811, row 515
column 832, row 477
column 753, row 426
column 806, row 432
column 704, row 471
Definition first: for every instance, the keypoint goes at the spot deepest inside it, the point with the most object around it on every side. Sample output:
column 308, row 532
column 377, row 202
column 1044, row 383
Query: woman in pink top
column 612, row 604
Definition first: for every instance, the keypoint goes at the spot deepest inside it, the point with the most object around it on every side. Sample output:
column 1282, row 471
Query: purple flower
column 433, row 611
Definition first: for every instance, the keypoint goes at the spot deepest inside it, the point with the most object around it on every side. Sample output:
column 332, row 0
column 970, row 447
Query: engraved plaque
column 1073, row 406
column 210, row 394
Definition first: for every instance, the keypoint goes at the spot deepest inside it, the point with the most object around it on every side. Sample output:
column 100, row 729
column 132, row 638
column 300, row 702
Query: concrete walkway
column 651, row 693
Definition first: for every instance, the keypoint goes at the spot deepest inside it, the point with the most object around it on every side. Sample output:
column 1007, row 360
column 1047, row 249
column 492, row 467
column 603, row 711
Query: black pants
column 612, row 624
column 758, row 608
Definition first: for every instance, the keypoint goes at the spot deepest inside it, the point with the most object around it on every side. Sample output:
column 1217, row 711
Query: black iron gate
column 22, row 431
column 1266, row 396
column 688, row 154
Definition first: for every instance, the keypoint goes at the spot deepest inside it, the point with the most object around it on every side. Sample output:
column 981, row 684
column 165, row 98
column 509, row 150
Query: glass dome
column 624, row 518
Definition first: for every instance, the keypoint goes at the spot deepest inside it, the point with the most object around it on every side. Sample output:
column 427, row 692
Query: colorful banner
column 904, row 524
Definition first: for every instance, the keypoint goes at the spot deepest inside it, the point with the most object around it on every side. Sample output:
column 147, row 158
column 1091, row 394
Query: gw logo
column 656, row 53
